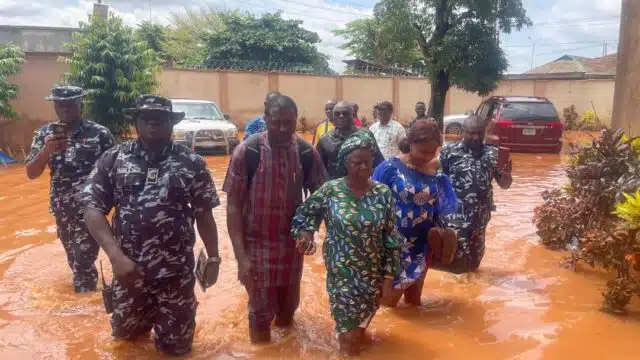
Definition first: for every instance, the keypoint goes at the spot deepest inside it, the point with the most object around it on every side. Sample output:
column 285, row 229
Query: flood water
column 520, row 305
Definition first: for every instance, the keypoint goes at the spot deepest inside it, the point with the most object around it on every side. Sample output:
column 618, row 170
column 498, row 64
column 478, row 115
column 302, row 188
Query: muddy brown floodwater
column 520, row 305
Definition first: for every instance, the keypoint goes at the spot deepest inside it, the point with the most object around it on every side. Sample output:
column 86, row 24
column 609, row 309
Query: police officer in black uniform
column 70, row 148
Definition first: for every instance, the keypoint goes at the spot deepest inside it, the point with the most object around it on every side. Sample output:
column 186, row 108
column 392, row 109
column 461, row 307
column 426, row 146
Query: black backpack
column 252, row 157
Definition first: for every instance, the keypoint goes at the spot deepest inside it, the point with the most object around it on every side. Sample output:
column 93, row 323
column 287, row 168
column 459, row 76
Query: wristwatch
column 214, row 260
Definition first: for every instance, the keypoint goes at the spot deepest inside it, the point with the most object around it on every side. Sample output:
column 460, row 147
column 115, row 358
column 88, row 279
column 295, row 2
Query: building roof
column 568, row 64
column 37, row 39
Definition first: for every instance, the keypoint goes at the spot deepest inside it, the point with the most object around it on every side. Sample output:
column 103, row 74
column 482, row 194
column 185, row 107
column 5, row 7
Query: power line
column 567, row 50
column 568, row 21
column 563, row 43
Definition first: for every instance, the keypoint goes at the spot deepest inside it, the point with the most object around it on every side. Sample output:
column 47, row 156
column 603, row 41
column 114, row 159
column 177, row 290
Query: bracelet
column 214, row 260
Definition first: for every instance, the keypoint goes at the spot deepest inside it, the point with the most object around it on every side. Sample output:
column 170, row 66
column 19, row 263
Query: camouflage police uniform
column 69, row 171
column 472, row 178
column 155, row 205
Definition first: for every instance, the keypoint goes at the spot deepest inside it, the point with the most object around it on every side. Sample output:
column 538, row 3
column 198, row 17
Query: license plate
column 529, row 132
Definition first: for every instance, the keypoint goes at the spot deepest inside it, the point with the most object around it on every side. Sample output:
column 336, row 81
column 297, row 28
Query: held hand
column 125, row 270
column 244, row 271
column 305, row 243
column 55, row 143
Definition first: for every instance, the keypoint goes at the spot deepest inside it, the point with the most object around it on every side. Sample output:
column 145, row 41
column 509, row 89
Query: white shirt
column 388, row 137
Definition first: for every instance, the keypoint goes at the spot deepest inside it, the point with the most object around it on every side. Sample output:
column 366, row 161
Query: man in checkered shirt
column 388, row 133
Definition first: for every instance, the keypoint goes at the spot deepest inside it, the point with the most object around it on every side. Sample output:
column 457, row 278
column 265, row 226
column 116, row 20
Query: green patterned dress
column 362, row 246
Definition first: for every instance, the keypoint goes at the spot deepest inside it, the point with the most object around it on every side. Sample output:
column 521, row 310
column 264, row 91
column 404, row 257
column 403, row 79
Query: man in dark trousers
column 472, row 166
column 264, row 185
column 70, row 148
column 158, row 188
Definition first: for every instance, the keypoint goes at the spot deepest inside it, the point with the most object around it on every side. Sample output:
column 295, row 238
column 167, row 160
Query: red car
column 522, row 123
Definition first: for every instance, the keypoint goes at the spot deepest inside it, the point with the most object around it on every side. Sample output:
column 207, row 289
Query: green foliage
column 370, row 39
column 570, row 117
column 269, row 38
column 11, row 60
column 114, row 67
column 154, row 35
column 590, row 121
column 457, row 40
column 629, row 209
column 582, row 214
column 186, row 35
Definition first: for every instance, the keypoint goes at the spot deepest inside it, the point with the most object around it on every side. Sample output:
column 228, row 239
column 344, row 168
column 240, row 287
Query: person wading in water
column 70, row 148
column 472, row 166
column 264, row 183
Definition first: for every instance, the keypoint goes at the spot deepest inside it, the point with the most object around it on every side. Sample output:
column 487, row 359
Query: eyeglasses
column 342, row 113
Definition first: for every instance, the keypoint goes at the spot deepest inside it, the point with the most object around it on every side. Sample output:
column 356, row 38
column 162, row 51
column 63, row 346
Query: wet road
column 520, row 305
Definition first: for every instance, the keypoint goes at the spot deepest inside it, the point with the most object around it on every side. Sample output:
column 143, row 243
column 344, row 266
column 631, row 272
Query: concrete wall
column 35, row 38
column 241, row 95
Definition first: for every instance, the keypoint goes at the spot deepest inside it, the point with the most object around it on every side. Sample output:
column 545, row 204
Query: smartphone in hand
column 504, row 155
column 59, row 128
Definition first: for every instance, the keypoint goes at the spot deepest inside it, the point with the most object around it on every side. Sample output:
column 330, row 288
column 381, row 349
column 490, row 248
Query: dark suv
column 522, row 123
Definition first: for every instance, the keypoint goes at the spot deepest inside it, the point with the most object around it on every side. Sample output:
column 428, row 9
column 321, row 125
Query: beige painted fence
column 241, row 95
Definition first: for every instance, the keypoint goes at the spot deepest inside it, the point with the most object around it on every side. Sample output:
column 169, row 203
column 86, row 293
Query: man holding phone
column 472, row 166
column 158, row 189
column 70, row 149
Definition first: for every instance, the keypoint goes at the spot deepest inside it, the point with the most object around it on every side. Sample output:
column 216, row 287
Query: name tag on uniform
column 152, row 176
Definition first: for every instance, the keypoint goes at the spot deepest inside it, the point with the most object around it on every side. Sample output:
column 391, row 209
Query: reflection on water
column 519, row 305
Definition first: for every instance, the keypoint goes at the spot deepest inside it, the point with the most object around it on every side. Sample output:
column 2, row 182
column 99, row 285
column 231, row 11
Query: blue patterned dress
column 419, row 197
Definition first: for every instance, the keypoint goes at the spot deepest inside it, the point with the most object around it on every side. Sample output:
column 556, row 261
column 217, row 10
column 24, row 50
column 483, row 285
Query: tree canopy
column 457, row 41
column 155, row 36
column 114, row 67
column 11, row 60
column 244, row 41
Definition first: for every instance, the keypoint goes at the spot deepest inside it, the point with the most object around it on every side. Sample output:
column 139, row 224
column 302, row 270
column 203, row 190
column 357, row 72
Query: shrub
column 582, row 215
column 590, row 121
column 11, row 60
column 570, row 117
column 114, row 67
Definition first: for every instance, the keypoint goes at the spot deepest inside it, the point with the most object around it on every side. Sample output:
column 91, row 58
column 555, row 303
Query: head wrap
column 363, row 139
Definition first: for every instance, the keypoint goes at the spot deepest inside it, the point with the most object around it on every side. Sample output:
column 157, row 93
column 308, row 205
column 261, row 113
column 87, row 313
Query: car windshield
column 204, row 111
column 522, row 111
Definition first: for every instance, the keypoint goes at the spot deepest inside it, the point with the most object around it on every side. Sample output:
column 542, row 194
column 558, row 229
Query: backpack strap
column 252, row 156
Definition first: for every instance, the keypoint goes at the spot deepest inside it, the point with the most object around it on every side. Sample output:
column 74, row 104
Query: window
column 205, row 111
column 523, row 111
column 483, row 110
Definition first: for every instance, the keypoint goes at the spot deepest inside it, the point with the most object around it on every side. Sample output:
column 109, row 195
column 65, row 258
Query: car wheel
column 454, row 129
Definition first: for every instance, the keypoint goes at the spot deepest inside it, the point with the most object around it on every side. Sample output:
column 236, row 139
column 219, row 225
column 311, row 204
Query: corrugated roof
column 578, row 64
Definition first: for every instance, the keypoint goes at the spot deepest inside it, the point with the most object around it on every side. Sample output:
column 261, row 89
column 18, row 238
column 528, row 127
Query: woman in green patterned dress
column 362, row 249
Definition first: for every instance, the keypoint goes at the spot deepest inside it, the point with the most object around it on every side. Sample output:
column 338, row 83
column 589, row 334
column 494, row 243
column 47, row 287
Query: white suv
column 204, row 126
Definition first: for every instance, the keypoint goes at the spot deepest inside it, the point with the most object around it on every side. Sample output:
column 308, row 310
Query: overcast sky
column 576, row 27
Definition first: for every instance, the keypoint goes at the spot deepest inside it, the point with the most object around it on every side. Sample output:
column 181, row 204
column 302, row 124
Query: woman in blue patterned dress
column 421, row 194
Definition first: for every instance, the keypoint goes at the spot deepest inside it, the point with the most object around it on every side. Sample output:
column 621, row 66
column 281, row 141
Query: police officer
column 71, row 154
column 157, row 188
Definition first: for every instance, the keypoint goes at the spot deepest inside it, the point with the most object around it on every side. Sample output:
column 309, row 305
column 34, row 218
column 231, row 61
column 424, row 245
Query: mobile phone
column 504, row 154
column 59, row 128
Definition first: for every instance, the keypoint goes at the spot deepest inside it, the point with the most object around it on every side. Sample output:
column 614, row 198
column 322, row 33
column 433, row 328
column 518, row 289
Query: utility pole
column 533, row 51
column 604, row 51
column 150, row 11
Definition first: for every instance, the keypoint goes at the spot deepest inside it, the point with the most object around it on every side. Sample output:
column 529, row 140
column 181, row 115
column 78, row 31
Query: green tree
column 247, row 40
column 155, row 37
column 186, row 35
column 458, row 40
column 11, row 60
column 114, row 67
